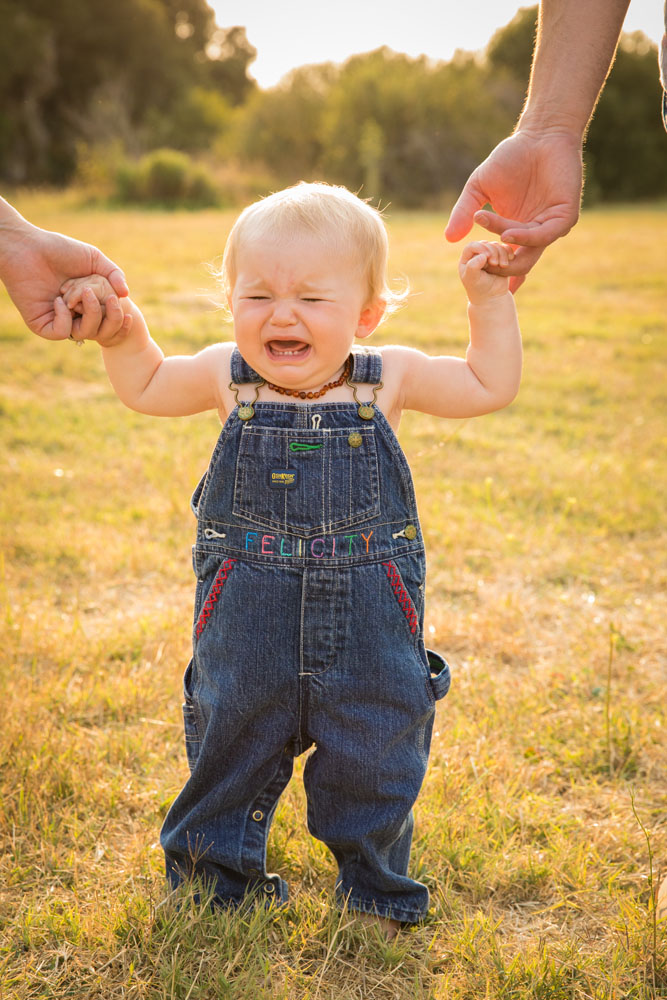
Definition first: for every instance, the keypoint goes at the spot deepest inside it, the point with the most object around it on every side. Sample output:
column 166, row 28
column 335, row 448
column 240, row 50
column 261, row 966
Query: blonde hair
column 348, row 223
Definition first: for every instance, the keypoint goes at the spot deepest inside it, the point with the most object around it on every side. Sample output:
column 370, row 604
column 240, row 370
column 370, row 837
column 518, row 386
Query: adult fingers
column 62, row 320
column 496, row 223
column 102, row 265
column 461, row 217
column 528, row 234
column 540, row 235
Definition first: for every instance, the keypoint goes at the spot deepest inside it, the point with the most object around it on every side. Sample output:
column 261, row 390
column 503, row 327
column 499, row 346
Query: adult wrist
column 12, row 221
column 546, row 122
column 12, row 227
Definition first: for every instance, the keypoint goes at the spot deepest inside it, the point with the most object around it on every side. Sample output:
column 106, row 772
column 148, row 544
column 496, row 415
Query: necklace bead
column 302, row 394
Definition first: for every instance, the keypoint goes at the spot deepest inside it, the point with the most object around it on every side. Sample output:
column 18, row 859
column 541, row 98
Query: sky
column 296, row 32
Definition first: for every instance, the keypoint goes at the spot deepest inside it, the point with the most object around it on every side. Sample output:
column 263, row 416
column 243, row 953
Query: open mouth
column 287, row 350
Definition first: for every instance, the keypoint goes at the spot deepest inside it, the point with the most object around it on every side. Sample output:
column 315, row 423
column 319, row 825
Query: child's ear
column 370, row 318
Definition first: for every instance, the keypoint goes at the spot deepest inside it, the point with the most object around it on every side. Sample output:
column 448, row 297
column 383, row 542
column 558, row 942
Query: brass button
column 366, row 412
column 246, row 412
column 269, row 888
column 355, row 439
column 258, row 815
column 410, row 532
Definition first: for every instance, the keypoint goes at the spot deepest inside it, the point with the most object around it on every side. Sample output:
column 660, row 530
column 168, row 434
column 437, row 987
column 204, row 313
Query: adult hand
column 34, row 263
column 98, row 313
column 533, row 183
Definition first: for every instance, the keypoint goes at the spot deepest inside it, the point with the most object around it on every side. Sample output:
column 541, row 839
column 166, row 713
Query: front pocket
column 212, row 596
column 307, row 482
column 402, row 597
column 190, row 728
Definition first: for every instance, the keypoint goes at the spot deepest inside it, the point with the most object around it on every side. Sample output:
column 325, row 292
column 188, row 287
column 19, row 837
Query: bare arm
column 576, row 44
column 488, row 378
column 533, row 179
column 163, row 387
column 140, row 374
column 34, row 263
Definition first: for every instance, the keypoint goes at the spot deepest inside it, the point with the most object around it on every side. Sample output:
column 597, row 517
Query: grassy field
column 542, row 826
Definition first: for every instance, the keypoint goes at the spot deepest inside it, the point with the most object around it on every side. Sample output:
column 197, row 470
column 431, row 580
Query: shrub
column 168, row 178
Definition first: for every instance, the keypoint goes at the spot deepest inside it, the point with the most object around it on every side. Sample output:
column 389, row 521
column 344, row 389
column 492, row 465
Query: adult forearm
column 576, row 44
column 12, row 227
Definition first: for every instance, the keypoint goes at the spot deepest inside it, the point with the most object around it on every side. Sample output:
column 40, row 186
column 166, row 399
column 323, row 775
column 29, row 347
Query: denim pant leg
column 370, row 713
column 241, row 718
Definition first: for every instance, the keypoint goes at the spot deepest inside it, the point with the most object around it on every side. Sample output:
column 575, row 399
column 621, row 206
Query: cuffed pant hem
column 404, row 915
column 269, row 891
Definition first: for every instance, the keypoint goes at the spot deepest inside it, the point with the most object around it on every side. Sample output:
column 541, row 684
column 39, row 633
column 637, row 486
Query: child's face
column 298, row 306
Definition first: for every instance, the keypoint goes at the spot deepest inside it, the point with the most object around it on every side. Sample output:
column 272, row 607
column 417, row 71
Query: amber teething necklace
column 246, row 411
column 301, row 394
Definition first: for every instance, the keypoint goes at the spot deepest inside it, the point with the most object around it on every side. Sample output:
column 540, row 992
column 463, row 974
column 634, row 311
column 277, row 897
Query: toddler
column 308, row 622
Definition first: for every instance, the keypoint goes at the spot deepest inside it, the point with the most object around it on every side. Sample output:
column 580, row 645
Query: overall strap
column 241, row 371
column 366, row 367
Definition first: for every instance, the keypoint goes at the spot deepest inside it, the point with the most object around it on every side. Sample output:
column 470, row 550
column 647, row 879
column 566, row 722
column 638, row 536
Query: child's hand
column 478, row 283
column 98, row 313
column 73, row 289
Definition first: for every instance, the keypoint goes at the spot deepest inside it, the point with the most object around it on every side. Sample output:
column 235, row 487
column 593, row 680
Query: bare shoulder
column 217, row 358
column 398, row 366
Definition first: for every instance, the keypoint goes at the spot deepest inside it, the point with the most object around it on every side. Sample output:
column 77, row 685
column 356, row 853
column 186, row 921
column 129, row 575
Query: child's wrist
column 490, row 300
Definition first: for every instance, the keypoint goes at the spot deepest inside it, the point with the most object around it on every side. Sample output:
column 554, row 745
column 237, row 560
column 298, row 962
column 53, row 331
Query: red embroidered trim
column 402, row 596
column 214, row 594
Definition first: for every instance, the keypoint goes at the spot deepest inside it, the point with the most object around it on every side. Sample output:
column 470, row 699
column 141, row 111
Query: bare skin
column 485, row 380
column 33, row 265
column 533, row 179
column 388, row 927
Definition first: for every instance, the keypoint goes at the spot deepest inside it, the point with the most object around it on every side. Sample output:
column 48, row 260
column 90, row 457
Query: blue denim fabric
column 308, row 632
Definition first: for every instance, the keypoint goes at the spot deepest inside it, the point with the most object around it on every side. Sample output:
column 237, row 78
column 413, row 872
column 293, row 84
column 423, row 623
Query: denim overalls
column 308, row 631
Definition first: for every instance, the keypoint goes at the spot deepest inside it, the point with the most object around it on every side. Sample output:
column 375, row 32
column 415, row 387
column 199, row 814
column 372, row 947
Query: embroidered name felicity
column 330, row 547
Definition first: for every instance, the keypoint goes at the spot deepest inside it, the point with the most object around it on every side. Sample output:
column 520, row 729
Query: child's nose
column 283, row 314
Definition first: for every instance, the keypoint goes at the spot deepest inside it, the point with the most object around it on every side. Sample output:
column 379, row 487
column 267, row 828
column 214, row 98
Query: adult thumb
column 461, row 218
column 114, row 274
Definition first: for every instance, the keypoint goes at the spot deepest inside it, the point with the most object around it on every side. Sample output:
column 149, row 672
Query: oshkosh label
column 282, row 478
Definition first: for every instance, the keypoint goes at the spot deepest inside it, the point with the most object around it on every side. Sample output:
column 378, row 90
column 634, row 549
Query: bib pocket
column 307, row 482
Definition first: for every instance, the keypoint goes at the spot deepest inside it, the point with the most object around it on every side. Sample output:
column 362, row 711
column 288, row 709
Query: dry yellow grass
column 546, row 591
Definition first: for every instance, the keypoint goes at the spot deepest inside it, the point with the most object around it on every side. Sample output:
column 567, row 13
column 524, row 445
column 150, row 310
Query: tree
column 436, row 120
column 59, row 62
column 511, row 48
column 626, row 146
column 283, row 127
column 229, row 54
column 391, row 127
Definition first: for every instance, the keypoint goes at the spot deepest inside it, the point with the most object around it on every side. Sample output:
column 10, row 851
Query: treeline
column 151, row 100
